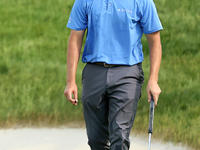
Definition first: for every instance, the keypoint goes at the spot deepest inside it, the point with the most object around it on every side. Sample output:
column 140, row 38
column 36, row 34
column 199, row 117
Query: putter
column 151, row 116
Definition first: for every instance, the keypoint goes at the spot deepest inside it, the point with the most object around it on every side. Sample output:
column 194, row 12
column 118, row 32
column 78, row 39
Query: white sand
column 65, row 139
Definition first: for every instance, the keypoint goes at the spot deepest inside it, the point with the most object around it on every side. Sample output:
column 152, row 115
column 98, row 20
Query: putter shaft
column 149, row 145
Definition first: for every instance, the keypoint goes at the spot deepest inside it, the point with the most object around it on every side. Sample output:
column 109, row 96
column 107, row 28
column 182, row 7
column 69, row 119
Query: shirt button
column 110, row 4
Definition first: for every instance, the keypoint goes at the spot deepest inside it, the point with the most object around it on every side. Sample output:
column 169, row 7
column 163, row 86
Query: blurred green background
column 33, row 45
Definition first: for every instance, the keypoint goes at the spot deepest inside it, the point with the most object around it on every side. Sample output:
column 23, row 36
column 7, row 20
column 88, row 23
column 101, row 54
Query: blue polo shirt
column 114, row 28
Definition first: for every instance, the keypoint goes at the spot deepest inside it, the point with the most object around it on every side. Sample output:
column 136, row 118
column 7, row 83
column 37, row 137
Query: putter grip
column 151, row 115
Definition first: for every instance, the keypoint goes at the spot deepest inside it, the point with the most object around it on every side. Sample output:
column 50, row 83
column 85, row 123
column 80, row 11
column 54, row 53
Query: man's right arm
column 73, row 54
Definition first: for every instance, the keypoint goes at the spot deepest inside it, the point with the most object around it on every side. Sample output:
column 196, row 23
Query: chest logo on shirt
column 125, row 10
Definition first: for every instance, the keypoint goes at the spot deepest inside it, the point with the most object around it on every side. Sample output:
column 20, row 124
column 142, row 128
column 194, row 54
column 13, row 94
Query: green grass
column 33, row 44
column 33, row 40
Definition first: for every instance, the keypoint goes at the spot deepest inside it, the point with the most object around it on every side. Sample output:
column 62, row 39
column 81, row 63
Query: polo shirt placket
column 109, row 6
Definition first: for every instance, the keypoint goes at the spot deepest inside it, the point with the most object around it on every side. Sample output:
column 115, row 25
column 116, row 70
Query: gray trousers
column 109, row 98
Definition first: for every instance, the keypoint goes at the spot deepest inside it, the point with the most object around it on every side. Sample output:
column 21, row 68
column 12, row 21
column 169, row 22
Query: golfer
column 112, row 77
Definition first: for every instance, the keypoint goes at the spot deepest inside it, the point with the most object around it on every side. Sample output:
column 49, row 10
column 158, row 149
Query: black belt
column 104, row 64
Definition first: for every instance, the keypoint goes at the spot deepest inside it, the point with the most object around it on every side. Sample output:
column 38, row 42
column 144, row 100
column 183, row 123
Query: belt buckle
column 105, row 65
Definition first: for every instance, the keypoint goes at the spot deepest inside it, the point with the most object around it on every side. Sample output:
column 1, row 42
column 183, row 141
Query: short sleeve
column 150, row 21
column 78, row 16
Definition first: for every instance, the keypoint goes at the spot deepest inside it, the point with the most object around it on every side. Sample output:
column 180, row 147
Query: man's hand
column 71, row 93
column 153, row 89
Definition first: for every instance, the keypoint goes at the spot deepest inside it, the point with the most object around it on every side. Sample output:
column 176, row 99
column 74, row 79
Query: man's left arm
column 155, row 49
